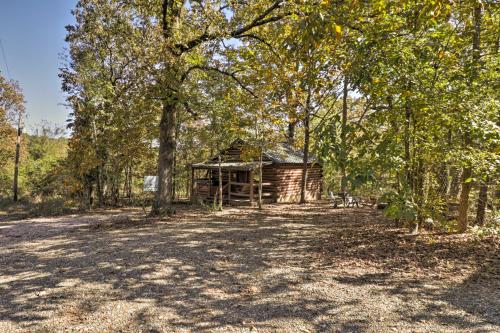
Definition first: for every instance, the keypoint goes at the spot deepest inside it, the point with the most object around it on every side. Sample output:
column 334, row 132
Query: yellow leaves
column 338, row 31
column 277, row 121
column 379, row 6
column 441, row 54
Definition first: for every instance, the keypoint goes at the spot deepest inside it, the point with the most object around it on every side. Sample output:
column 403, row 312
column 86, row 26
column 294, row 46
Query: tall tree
column 12, row 108
column 180, row 25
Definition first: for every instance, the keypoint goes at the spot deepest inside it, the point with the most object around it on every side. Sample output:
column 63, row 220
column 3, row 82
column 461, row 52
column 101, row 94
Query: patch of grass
column 26, row 207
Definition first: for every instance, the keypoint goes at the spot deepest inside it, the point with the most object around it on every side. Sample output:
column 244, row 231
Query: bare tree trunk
column 116, row 190
column 443, row 177
column 221, row 195
column 260, row 178
column 419, row 194
column 291, row 133
column 454, row 189
column 163, row 204
column 18, row 153
column 481, row 202
column 174, row 180
column 99, row 168
column 100, row 195
column 188, row 183
column 463, row 208
column 90, row 195
column 174, row 163
column 408, row 173
column 305, row 160
column 130, row 178
column 343, row 143
column 125, row 181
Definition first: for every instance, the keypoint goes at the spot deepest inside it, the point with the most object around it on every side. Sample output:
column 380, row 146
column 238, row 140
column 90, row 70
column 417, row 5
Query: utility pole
column 18, row 150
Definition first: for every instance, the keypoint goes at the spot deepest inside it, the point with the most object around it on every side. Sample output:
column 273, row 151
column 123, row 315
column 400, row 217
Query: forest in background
column 397, row 99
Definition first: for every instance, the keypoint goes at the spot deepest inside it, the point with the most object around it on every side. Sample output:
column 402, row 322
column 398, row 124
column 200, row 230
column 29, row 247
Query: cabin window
column 242, row 176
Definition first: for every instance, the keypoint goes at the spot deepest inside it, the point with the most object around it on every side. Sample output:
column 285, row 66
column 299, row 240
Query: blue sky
column 32, row 34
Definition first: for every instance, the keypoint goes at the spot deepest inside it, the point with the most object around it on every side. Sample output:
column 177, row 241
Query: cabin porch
column 240, row 182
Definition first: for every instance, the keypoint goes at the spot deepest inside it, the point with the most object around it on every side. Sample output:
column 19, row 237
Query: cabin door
column 240, row 176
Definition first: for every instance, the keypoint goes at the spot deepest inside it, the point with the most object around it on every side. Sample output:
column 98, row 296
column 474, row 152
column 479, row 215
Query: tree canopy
column 398, row 100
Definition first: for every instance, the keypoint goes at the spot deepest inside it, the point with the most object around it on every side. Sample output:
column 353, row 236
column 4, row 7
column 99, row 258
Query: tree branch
column 190, row 111
column 220, row 71
column 253, row 36
column 258, row 21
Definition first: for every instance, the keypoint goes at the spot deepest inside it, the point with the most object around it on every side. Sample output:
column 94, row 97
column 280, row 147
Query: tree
column 12, row 107
column 395, row 100
column 466, row 179
column 107, row 81
column 177, row 23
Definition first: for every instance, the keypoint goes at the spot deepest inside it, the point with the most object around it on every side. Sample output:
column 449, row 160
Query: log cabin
column 282, row 168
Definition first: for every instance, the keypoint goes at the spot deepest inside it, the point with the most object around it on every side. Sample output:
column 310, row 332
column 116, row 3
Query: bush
column 399, row 207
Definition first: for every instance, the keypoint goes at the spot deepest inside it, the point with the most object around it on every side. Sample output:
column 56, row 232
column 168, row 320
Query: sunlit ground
column 289, row 268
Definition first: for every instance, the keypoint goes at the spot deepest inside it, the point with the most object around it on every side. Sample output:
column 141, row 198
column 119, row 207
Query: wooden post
column 209, row 183
column 193, row 185
column 251, row 187
column 229, row 185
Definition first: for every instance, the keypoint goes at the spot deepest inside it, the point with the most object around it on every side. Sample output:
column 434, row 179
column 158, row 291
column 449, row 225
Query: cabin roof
column 229, row 165
column 284, row 153
column 280, row 153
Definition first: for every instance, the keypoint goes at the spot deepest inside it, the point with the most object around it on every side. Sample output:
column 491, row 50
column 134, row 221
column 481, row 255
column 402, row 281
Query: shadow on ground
column 288, row 268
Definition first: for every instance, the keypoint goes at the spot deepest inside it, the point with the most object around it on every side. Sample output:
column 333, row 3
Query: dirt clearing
column 289, row 268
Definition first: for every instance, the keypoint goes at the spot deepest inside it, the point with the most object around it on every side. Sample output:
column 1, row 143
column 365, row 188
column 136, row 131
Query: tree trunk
column 251, row 187
column 443, row 177
column 125, row 181
column 174, row 180
column 163, row 204
column 305, row 160
column 221, row 195
column 260, row 179
column 18, row 152
column 188, row 183
column 116, row 187
column 408, row 173
column 419, row 194
column 100, row 195
column 291, row 133
column 89, row 191
column 463, row 208
column 343, row 143
column 174, row 163
column 481, row 202
column 130, row 178
column 454, row 188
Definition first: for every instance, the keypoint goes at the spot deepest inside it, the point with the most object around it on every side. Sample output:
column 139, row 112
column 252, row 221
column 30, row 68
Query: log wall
column 287, row 179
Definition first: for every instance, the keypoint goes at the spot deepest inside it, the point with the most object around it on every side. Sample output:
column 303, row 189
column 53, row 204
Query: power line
column 5, row 60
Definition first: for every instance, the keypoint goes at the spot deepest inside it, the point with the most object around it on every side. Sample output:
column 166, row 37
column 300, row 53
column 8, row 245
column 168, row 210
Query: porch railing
column 234, row 191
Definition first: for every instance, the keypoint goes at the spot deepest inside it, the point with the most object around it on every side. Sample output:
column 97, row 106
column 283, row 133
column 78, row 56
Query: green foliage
column 11, row 109
column 421, row 100
column 484, row 231
column 399, row 207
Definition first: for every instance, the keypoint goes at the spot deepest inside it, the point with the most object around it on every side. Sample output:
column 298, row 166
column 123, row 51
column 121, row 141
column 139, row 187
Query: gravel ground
column 289, row 268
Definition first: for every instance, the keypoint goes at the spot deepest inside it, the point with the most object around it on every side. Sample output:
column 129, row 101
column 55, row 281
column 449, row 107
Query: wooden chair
column 335, row 199
column 344, row 198
column 350, row 200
